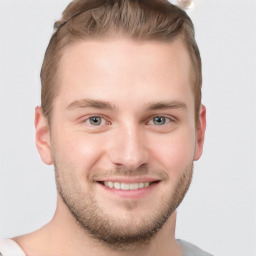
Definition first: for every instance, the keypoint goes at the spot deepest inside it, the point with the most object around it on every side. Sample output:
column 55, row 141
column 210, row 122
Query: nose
column 129, row 148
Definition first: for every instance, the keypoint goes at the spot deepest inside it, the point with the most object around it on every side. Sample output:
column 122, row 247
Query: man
column 121, row 120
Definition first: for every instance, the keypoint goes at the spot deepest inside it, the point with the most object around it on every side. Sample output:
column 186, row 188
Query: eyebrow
column 89, row 103
column 166, row 105
column 99, row 104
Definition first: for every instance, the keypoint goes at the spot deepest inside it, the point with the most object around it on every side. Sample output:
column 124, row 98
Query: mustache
column 121, row 171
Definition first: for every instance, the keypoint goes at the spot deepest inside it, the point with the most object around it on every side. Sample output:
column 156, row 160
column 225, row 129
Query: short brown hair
column 138, row 19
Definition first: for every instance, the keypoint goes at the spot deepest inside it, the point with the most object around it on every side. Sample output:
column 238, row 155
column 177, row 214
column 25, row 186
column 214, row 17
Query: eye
column 159, row 120
column 95, row 120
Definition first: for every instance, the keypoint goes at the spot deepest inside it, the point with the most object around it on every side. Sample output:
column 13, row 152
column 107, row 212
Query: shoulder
column 9, row 248
column 191, row 250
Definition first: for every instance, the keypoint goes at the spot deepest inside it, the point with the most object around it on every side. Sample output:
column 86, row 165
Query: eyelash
column 167, row 119
column 96, row 116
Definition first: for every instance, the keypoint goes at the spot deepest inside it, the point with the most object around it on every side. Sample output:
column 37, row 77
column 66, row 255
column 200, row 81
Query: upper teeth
column 126, row 186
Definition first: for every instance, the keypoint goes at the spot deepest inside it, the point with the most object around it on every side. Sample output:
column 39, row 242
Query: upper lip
column 128, row 179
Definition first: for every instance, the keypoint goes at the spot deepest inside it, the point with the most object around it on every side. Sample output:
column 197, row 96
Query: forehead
column 117, row 69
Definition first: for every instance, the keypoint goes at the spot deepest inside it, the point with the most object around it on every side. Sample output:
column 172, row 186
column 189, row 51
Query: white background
column 218, row 213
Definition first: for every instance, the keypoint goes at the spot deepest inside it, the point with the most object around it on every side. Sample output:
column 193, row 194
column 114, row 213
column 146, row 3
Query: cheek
column 77, row 150
column 175, row 151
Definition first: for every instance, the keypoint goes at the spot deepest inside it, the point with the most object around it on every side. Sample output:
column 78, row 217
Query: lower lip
column 135, row 193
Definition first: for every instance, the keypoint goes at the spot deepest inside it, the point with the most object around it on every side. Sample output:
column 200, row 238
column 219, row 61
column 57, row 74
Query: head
column 151, row 20
column 121, row 116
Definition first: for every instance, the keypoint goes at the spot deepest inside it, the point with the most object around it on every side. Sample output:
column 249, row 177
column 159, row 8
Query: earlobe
column 43, row 136
column 200, row 133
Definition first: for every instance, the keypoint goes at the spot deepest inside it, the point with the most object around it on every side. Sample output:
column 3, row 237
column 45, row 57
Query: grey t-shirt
column 9, row 248
column 191, row 250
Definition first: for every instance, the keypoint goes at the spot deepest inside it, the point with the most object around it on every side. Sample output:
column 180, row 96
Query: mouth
column 127, row 186
column 134, row 188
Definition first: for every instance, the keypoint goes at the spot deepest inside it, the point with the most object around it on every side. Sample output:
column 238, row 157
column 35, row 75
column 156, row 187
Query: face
column 122, row 136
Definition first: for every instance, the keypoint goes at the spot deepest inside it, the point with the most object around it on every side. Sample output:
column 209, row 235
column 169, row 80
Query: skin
column 131, row 77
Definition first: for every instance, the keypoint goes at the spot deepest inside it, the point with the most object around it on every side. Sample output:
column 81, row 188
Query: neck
column 65, row 237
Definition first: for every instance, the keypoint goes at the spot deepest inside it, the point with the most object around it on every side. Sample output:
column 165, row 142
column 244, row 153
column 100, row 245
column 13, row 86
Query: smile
column 134, row 188
column 126, row 186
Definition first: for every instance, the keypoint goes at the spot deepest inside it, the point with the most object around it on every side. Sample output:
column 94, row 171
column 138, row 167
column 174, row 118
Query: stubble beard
column 107, row 230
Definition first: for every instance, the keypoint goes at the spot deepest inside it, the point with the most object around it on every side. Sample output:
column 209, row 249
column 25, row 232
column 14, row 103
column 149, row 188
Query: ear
column 43, row 136
column 200, row 132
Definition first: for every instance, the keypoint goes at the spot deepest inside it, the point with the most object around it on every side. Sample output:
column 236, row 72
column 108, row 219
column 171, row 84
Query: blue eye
column 95, row 120
column 160, row 120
